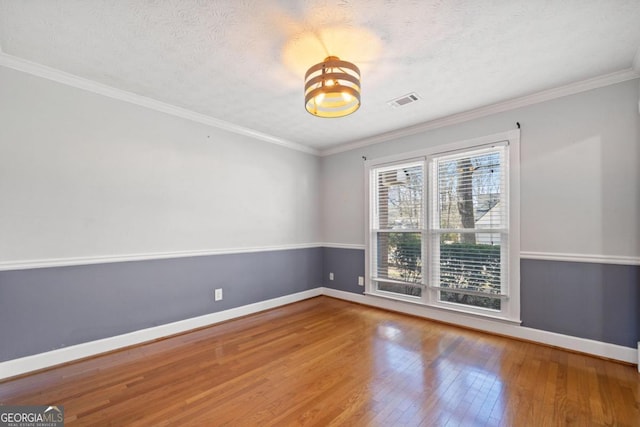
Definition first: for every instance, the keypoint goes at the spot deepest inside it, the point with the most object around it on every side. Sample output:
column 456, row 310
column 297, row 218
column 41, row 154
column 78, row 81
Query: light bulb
column 347, row 97
column 319, row 98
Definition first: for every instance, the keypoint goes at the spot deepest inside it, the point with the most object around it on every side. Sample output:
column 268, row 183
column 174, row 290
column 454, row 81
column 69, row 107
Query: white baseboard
column 39, row 361
column 48, row 359
column 583, row 345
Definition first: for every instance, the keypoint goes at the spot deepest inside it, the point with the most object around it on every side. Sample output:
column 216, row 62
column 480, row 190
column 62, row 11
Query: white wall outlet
column 217, row 296
column 360, row 281
column 330, row 276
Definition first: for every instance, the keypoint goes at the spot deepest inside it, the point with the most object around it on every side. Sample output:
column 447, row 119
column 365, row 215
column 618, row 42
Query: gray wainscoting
column 346, row 265
column 48, row 308
column 596, row 301
column 586, row 300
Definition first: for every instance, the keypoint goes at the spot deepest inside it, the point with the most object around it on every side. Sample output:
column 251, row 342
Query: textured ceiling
column 243, row 61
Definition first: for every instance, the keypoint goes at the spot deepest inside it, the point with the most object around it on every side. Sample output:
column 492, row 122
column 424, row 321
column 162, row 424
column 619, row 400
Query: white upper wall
column 580, row 169
column 83, row 175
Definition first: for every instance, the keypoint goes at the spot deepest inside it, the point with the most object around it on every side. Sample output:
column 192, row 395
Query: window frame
column 375, row 216
column 510, row 306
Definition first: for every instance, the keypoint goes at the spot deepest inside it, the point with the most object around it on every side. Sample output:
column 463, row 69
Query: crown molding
column 58, row 76
column 511, row 104
column 53, row 74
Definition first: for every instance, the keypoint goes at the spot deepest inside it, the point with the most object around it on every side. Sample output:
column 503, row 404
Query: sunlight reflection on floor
column 407, row 378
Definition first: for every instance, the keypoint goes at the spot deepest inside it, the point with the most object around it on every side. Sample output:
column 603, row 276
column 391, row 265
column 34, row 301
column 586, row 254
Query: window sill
column 453, row 310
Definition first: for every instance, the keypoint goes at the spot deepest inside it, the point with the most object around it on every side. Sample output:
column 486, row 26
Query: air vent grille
column 404, row 100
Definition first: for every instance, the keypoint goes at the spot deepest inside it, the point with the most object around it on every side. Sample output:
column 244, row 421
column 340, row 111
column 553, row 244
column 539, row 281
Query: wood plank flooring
column 326, row 362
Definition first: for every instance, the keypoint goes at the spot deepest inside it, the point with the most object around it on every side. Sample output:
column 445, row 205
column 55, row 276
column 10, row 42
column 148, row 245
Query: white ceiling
column 243, row 61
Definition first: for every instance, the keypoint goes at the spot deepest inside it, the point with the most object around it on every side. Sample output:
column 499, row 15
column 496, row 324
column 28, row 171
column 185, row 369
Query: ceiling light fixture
column 332, row 88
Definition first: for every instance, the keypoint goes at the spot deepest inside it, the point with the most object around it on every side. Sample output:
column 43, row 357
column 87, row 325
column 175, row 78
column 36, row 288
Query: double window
column 443, row 227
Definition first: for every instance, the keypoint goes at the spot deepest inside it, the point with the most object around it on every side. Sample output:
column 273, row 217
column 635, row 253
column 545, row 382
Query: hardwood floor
column 328, row 362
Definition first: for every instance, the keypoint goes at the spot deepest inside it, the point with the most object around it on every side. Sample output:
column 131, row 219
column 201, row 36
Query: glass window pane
column 469, row 266
column 470, row 190
column 399, row 256
column 400, row 198
column 399, row 288
column 471, row 300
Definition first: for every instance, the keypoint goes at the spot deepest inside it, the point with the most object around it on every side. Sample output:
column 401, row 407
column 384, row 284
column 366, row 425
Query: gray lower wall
column 48, row 308
column 586, row 300
column 595, row 301
column 346, row 265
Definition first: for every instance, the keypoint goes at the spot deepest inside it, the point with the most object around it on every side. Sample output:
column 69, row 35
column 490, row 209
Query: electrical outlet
column 360, row 281
column 330, row 276
column 217, row 295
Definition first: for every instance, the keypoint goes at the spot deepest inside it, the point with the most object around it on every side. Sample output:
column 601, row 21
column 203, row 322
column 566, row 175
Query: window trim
column 511, row 311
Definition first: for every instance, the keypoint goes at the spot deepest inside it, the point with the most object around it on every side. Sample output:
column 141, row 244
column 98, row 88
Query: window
column 444, row 229
column 398, row 228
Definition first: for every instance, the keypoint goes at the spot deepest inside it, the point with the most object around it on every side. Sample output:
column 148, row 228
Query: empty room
column 324, row 213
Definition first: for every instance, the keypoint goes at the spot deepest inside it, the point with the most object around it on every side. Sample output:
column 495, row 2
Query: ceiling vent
column 404, row 100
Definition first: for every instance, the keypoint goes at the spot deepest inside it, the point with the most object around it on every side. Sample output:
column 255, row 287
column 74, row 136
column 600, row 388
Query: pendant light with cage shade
column 332, row 88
